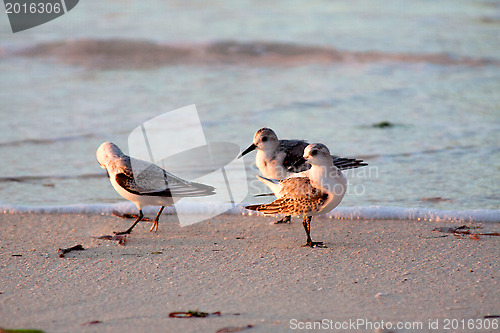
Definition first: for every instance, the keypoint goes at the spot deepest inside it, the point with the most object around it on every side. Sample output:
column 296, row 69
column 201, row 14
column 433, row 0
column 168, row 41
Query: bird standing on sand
column 278, row 159
column 315, row 191
column 149, row 185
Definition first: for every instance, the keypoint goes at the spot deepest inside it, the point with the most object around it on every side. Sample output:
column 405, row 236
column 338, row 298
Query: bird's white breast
column 332, row 181
column 270, row 164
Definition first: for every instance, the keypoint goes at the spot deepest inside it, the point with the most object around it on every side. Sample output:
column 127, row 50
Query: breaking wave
column 351, row 213
column 141, row 54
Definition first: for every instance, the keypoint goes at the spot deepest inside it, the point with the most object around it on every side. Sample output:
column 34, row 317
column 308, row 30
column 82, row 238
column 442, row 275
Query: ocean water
column 325, row 71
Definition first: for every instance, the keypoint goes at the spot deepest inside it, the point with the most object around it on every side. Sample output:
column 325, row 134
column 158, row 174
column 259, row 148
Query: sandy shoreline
column 395, row 271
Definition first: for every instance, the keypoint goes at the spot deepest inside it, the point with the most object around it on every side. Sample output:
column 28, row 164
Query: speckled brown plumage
column 299, row 198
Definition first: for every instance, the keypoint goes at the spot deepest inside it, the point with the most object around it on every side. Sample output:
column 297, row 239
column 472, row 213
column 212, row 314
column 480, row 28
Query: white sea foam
column 122, row 207
column 351, row 213
column 402, row 213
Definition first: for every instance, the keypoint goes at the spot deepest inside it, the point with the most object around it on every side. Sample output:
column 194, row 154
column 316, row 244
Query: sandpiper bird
column 149, row 185
column 277, row 159
column 315, row 191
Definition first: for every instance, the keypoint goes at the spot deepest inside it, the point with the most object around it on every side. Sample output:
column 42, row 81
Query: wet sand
column 253, row 272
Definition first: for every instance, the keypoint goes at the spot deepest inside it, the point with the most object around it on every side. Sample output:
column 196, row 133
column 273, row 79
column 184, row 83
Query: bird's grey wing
column 150, row 179
column 347, row 163
column 127, row 182
column 181, row 188
column 294, row 150
column 141, row 177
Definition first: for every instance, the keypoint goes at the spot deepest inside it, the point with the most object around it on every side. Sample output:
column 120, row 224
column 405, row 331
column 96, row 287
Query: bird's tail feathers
column 270, row 208
column 264, row 195
column 347, row 163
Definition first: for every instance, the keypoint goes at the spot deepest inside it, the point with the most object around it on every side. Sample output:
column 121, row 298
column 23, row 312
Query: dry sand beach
column 253, row 272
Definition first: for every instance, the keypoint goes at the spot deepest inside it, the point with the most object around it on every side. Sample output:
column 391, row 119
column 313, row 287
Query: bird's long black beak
column 246, row 151
column 297, row 164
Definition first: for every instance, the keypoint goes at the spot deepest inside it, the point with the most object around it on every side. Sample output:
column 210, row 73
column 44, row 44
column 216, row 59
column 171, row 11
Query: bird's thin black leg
column 286, row 219
column 129, row 230
column 155, row 223
column 307, row 227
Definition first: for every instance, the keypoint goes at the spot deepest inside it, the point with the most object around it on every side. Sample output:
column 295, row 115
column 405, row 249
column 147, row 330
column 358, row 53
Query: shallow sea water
column 443, row 151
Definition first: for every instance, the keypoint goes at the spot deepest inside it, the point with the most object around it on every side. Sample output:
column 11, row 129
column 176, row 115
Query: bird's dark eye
column 264, row 139
column 314, row 152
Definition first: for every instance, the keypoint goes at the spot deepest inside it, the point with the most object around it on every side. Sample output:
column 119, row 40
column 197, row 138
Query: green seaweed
column 383, row 124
